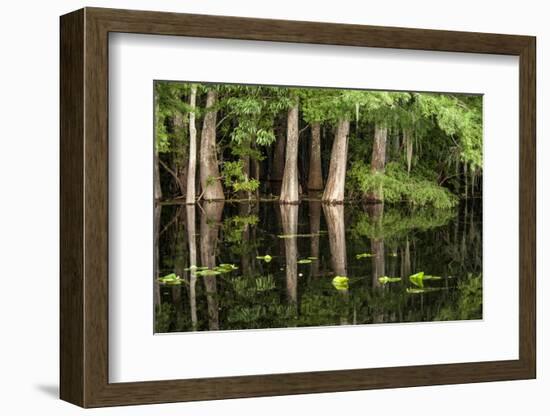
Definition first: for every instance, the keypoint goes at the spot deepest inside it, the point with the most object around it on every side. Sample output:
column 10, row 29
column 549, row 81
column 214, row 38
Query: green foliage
column 417, row 279
column 235, row 179
column 398, row 186
column 385, row 279
column 236, row 225
column 169, row 104
column 340, row 283
column 469, row 301
column 170, row 279
column 397, row 224
column 164, row 316
column 267, row 258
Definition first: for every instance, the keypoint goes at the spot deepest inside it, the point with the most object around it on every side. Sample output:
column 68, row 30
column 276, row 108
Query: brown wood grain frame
column 84, row 215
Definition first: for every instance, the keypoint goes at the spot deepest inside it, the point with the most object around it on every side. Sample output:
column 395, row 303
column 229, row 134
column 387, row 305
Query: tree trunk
column 210, row 223
column 278, row 160
column 246, row 171
column 314, row 228
column 289, row 219
column 315, row 177
column 376, row 213
column 407, row 138
column 158, row 189
column 210, row 174
column 182, row 162
column 378, row 161
column 289, row 188
column 192, row 166
column 334, row 189
column 191, row 237
column 334, row 216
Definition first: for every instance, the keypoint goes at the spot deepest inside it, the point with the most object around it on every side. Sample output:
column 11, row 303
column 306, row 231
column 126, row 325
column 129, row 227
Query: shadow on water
column 247, row 265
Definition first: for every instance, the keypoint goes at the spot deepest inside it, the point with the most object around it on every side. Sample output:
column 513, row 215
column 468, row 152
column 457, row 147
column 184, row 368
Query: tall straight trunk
column 192, row 166
column 157, row 214
column 315, row 177
column 210, row 223
column 334, row 216
column 378, row 161
column 376, row 213
column 191, row 237
column 158, row 189
column 182, row 163
column 246, row 172
column 209, row 172
column 278, row 167
column 407, row 138
column 244, row 211
column 289, row 219
column 406, row 261
column 314, row 227
column 289, row 188
column 334, row 189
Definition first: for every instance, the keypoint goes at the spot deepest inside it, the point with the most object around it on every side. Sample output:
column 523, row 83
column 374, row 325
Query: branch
column 171, row 172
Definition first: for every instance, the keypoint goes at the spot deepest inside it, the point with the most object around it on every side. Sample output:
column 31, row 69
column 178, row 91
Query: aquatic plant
column 386, row 279
column 340, row 283
column 170, row 279
column 267, row 258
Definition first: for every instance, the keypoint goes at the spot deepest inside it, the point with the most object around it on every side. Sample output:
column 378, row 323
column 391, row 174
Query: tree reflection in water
column 270, row 265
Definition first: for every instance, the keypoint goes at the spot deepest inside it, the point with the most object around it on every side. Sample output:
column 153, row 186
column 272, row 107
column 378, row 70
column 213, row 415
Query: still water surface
column 266, row 265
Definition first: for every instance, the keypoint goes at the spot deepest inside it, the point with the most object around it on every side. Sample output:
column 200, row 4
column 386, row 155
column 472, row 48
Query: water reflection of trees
column 264, row 294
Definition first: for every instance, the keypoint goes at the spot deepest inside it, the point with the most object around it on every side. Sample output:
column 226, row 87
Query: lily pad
column 208, row 272
column 429, row 277
column 170, row 279
column 363, row 255
column 417, row 279
column 386, row 279
column 225, row 268
column 340, row 283
column 414, row 290
column 304, row 261
column 267, row 258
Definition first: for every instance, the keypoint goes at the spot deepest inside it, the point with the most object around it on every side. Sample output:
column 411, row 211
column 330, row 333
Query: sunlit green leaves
column 385, row 279
column 170, row 279
column 267, row 258
column 340, row 283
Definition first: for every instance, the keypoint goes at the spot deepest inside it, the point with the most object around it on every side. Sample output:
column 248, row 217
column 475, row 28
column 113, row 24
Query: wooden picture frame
column 84, row 207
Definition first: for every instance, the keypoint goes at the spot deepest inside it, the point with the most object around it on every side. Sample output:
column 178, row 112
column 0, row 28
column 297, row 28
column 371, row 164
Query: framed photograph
column 256, row 207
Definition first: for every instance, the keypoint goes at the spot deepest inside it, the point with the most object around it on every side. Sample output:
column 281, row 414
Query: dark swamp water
column 266, row 265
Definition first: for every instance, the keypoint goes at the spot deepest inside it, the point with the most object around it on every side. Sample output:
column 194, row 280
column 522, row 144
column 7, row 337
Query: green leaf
column 417, row 279
column 208, row 273
column 340, row 283
column 304, row 261
column 267, row 258
column 429, row 277
column 386, row 279
column 414, row 290
column 170, row 279
column 225, row 268
column 363, row 255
